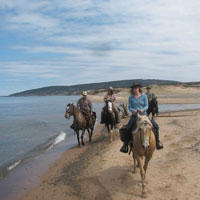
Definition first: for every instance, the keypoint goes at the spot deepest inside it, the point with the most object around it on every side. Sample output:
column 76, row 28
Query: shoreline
column 99, row 171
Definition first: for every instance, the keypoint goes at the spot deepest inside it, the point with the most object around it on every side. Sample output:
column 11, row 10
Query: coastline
column 100, row 171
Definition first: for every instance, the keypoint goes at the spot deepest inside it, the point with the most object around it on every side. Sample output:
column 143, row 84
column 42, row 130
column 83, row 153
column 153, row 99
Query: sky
column 68, row 42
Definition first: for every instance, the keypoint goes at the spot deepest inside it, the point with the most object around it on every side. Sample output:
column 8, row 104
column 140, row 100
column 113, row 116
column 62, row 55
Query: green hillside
column 77, row 89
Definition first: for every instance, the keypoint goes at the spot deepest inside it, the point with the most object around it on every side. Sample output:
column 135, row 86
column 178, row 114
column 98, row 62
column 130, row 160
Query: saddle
column 89, row 118
column 127, row 138
column 125, row 134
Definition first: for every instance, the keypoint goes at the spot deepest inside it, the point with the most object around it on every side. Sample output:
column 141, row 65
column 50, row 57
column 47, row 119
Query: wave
column 49, row 144
column 59, row 138
column 14, row 165
column 7, row 168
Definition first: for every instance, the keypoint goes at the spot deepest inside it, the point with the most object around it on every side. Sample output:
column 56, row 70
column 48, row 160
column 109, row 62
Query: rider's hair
column 132, row 90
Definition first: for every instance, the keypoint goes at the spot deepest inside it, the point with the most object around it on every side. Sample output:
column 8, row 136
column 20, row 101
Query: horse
column 109, row 119
column 153, row 107
column 80, row 122
column 144, row 145
column 124, row 110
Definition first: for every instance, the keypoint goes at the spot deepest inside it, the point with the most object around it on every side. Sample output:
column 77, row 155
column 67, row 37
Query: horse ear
column 138, row 116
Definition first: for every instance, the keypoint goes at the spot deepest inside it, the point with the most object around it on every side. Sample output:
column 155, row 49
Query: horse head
column 108, row 105
column 69, row 111
column 144, row 129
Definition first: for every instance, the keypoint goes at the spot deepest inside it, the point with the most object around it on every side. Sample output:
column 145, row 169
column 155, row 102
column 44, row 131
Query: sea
column 34, row 129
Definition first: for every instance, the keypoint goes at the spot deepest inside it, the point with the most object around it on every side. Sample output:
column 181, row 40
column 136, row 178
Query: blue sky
column 68, row 42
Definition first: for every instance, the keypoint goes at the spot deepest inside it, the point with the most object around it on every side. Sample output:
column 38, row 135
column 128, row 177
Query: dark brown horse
column 109, row 118
column 80, row 122
column 144, row 145
column 153, row 107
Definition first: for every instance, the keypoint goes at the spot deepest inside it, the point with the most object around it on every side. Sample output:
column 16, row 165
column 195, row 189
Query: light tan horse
column 79, row 122
column 144, row 145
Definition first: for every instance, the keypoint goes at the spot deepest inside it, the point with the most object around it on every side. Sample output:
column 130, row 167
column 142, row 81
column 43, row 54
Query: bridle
column 69, row 110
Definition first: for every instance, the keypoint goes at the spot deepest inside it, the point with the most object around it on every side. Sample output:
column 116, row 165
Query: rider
column 112, row 97
column 85, row 106
column 149, row 94
column 138, row 103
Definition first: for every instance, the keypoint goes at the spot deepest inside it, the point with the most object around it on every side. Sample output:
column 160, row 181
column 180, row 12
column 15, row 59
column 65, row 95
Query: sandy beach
column 100, row 171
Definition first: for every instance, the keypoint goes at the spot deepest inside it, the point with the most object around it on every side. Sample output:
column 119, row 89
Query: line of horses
column 144, row 143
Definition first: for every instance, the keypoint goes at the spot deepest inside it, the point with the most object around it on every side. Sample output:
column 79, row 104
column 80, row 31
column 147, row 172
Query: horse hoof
column 144, row 195
column 133, row 171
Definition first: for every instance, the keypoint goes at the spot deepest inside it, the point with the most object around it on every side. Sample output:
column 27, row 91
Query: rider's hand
column 91, row 113
column 140, row 111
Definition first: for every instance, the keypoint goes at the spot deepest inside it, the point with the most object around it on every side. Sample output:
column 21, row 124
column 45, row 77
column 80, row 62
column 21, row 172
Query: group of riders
column 138, row 102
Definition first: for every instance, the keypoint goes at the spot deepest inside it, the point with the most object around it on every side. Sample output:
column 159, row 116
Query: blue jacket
column 136, row 104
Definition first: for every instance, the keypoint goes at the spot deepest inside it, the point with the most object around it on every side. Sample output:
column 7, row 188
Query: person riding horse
column 138, row 103
column 85, row 106
column 152, row 101
column 112, row 97
column 149, row 94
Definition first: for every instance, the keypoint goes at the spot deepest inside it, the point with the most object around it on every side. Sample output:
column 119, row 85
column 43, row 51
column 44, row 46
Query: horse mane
column 142, row 120
column 74, row 107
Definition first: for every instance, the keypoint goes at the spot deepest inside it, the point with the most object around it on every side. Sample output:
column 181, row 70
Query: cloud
column 96, row 41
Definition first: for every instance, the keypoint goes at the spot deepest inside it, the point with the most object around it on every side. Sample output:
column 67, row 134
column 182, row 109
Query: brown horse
column 144, row 144
column 80, row 122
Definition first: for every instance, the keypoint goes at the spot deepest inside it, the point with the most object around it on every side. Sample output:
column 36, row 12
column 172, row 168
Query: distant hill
column 77, row 89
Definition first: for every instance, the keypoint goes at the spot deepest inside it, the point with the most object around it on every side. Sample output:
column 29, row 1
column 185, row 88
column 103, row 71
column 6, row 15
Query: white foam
column 14, row 165
column 61, row 137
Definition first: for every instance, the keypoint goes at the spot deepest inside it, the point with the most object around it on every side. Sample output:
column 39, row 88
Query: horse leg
column 142, row 173
column 90, row 132
column 77, row 134
column 147, row 159
column 111, row 133
column 82, row 137
column 108, row 128
column 134, row 164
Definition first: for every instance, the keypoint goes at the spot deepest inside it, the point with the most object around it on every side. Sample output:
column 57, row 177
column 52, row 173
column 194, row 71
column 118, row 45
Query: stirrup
column 159, row 146
column 124, row 148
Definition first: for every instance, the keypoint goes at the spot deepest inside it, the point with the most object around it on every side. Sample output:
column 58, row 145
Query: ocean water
column 31, row 125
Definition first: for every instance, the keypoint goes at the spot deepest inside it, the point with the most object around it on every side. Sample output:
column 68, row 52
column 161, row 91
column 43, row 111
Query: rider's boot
column 72, row 126
column 124, row 148
column 159, row 145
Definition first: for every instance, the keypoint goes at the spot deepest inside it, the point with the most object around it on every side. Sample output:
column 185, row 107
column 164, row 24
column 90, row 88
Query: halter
column 70, row 109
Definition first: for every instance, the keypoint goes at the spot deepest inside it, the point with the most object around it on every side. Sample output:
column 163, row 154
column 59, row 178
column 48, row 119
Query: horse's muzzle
column 145, row 146
column 67, row 116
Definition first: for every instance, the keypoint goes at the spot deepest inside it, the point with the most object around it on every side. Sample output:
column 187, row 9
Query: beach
column 100, row 171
